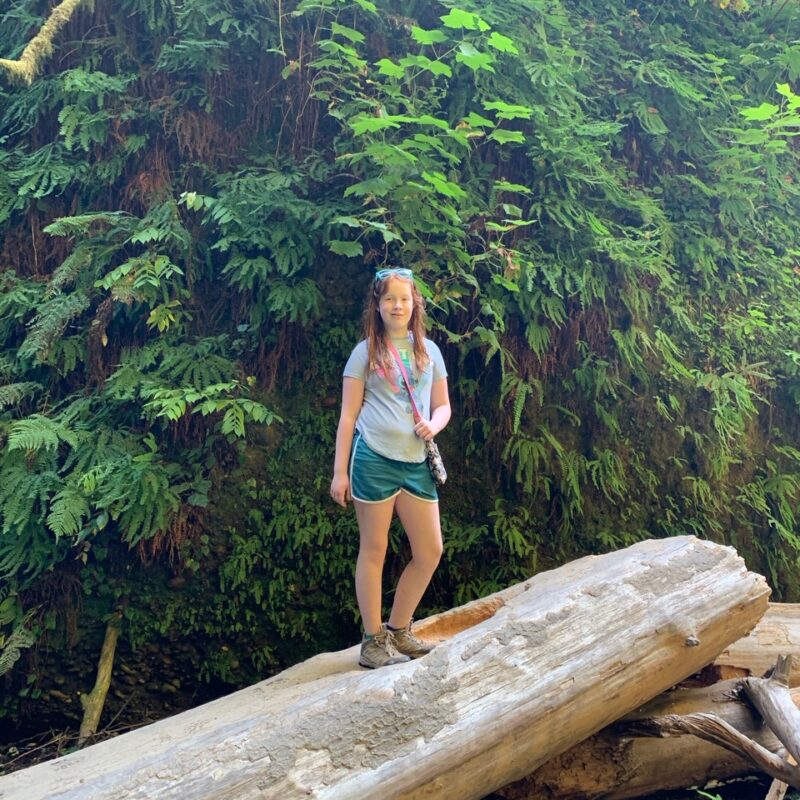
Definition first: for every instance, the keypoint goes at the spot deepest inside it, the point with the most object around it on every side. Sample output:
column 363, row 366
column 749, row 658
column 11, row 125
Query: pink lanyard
column 415, row 410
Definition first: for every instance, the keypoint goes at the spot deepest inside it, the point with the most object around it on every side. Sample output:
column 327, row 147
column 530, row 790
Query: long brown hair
column 379, row 355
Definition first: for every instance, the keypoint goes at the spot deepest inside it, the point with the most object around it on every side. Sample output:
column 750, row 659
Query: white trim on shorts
column 416, row 496
column 358, row 438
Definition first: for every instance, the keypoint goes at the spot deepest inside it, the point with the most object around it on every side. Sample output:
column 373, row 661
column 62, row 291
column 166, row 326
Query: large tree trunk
column 563, row 655
column 613, row 766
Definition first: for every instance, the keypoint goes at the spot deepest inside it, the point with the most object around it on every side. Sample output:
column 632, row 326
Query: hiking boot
column 380, row 651
column 408, row 644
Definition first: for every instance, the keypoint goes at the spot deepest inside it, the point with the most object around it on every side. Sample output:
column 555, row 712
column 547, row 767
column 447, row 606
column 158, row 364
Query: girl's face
column 396, row 306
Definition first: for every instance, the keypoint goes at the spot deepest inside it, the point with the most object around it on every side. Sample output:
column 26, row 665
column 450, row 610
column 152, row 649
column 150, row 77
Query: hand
column 425, row 430
column 340, row 490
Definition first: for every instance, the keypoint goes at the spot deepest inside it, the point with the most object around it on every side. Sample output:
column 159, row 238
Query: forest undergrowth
column 599, row 200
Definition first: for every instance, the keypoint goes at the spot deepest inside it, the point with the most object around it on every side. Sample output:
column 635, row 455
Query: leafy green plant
column 597, row 203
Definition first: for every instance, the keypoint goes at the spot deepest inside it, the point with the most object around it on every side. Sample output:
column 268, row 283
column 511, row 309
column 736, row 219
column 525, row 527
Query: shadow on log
column 524, row 675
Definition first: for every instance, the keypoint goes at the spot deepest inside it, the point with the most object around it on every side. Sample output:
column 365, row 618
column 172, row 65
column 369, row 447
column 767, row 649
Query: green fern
column 67, row 353
column 174, row 403
column 45, row 172
column 50, row 322
column 94, row 85
column 162, row 224
column 39, row 432
column 20, row 638
column 18, row 299
column 20, row 486
column 82, row 224
column 141, row 495
column 13, row 393
column 26, row 485
column 161, row 364
column 7, row 367
column 68, row 512
column 514, row 386
column 70, row 269
column 100, row 447
column 298, row 301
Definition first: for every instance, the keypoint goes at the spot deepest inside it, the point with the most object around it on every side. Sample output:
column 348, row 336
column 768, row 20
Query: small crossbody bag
column 434, row 459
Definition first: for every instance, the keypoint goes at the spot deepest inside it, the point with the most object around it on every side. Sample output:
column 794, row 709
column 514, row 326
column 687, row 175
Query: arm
column 440, row 411
column 352, row 399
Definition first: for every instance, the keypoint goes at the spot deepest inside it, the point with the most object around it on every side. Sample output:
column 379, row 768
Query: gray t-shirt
column 386, row 421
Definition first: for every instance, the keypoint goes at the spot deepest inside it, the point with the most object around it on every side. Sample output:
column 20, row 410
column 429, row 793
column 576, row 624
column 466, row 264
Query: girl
column 380, row 459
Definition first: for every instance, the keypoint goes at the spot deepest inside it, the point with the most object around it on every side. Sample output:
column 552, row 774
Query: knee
column 372, row 553
column 430, row 555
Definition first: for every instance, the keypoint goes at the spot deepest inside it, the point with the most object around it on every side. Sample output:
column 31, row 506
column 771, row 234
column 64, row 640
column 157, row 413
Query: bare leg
column 373, row 527
column 421, row 523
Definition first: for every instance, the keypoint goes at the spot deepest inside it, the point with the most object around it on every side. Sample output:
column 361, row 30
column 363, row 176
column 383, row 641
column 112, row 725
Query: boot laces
column 385, row 640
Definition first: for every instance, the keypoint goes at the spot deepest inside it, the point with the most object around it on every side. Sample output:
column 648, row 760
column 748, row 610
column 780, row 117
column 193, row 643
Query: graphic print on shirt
column 396, row 382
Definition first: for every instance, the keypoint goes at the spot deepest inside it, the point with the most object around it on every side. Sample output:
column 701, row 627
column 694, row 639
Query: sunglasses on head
column 400, row 272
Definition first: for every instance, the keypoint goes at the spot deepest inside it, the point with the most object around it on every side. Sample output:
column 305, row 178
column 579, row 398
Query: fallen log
column 774, row 706
column 778, row 632
column 614, row 766
column 541, row 668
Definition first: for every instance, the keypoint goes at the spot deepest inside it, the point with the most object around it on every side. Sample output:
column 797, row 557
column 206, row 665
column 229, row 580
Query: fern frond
column 160, row 365
column 26, row 483
column 81, row 224
column 198, row 365
column 27, row 552
column 301, row 300
column 20, row 638
column 141, row 493
column 101, row 448
column 67, row 353
column 50, row 323
column 95, row 85
column 39, row 432
column 72, row 266
column 46, row 171
column 68, row 512
column 18, row 297
column 12, row 393
column 162, row 224
column 6, row 368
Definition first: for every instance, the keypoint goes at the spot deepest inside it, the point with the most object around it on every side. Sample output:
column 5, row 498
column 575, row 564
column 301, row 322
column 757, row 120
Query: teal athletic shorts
column 375, row 478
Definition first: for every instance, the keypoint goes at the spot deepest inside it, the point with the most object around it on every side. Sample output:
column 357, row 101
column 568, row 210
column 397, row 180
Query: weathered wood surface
column 561, row 656
column 772, row 700
column 615, row 767
column 777, row 633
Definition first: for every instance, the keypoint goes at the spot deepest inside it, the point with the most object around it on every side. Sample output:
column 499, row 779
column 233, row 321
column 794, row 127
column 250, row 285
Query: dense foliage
column 599, row 199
